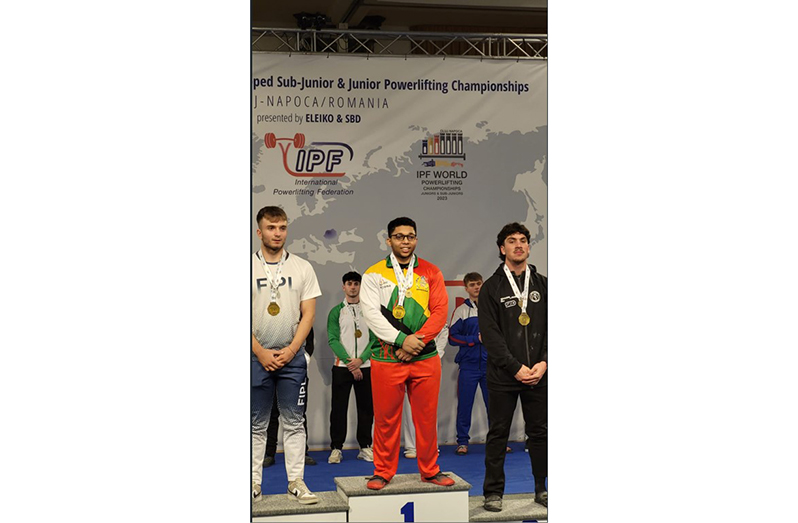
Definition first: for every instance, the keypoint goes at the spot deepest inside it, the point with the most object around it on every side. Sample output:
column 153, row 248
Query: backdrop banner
column 345, row 143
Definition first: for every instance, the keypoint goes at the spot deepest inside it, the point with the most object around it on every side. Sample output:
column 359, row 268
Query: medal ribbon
column 273, row 282
column 357, row 321
column 403, row 282
column 522, row 298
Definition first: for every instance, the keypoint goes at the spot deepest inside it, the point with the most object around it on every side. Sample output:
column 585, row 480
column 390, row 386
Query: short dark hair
column 507, row 230
column 471, row 276
column 351, row 276
column 398, row 222
column 272, row 212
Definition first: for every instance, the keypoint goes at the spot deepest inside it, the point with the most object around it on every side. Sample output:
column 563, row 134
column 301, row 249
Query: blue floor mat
column 471, row 467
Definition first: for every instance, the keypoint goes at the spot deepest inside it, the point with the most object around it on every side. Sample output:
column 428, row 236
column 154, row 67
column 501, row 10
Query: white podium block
column 285, row 508
column 406, row 498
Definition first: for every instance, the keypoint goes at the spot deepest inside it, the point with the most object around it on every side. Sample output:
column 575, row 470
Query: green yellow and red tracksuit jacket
column 425, row 310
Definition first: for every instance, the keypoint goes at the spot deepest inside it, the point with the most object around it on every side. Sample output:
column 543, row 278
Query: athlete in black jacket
column 513, row 323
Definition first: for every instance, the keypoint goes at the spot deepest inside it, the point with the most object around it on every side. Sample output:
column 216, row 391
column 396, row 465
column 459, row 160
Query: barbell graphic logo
column 326, row 155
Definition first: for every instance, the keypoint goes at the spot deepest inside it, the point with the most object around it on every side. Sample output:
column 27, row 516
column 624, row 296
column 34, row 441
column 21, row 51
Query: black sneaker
column 309, row 460
column 493, row 503
column 268, row 461
column 542, row 498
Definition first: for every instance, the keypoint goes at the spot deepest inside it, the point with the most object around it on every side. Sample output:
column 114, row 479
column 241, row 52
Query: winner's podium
column 405, row 498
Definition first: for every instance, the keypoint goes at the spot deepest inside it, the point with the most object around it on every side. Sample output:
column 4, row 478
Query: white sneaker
column 366, row 454
column 302, row 493
column 336, row 456
column 410, row 453
column 256, row 494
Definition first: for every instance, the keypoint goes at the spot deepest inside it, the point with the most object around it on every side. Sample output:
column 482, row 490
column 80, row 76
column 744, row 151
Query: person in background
column 471, row 357
column 351, row 341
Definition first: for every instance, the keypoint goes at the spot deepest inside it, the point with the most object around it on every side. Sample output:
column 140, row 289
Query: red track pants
column 422, row 380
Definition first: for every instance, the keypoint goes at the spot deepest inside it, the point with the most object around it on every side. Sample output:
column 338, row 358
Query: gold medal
column 408, row 294
column 523, row 319
column 398, row 312
column 273, row 308
column 358, row 333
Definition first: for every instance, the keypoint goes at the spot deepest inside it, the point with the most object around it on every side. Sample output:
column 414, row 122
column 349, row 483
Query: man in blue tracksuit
column 471, row 357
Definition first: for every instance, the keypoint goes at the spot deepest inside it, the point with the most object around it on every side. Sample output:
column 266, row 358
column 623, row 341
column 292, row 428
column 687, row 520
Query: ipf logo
column 326, row 158
column 445, row 144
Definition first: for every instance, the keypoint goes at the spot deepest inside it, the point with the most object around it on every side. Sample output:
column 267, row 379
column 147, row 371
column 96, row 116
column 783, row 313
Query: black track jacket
column 510, row 344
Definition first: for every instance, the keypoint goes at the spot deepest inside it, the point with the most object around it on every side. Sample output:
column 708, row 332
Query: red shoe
column 376, row 482
column 440, row 479
column 462, row 450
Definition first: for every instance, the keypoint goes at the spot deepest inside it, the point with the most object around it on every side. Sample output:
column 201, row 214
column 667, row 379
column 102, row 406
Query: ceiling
column 511, row 16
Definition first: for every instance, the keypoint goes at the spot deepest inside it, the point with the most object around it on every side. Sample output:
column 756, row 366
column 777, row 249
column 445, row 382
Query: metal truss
column 381, row 43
